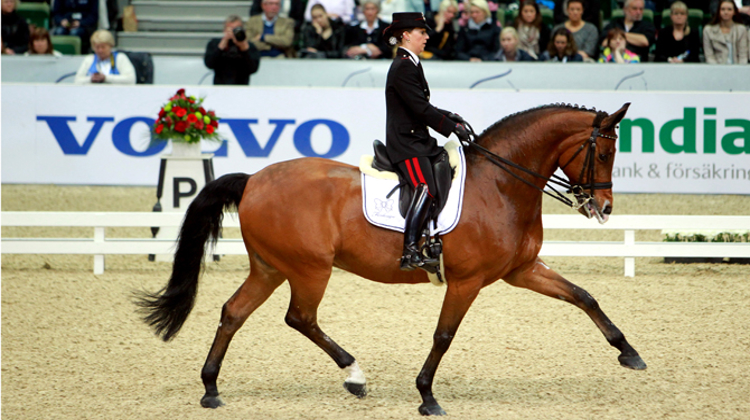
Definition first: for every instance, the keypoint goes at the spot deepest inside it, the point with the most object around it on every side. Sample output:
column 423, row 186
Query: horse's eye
column 604, row 158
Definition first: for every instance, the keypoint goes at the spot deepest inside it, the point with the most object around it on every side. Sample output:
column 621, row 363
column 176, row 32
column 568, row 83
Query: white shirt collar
column 364, row 26
column 269, row 22
column 414, row 57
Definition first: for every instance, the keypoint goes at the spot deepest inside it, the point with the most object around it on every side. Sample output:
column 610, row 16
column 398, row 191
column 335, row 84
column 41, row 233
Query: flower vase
column 183, row 149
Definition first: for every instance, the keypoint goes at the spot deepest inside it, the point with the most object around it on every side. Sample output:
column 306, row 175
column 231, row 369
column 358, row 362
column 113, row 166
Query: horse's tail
column 167, row 309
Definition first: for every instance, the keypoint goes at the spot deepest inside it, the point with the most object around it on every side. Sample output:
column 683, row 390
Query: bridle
column 578, row 190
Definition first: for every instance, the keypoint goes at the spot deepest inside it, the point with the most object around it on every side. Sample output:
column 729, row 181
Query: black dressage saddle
column 441, row 169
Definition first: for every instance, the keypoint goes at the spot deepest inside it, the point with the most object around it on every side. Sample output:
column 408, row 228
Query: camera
column 239, row 34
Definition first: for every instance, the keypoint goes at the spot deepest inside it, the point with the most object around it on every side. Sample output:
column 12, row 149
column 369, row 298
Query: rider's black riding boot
column 415, row 220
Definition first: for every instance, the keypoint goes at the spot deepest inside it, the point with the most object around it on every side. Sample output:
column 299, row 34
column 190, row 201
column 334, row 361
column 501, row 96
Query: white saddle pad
column 383, row 212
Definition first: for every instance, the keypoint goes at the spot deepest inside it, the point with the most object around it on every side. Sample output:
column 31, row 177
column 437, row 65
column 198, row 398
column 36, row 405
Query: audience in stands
column 533, row 34
column 293, row 9
column 585, row 34
column 76, row 17
column 442, row 42
column 480, row 39
column 323, row 37
column 105, row 65
column 271, row 34
column 15, row 29
column 725, row 38
column 41, row 44
column 591, row 10
column 561, row 48
column 388, row 7
column 365, row 39
column 337, row 9
column 509, row 50
column 232, row 57
column 639, row 34
column 615, row 48
column 678, row 42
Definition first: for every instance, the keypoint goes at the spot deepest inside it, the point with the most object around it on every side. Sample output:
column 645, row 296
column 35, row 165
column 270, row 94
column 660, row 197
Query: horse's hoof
column 632, row 362
column 211, row 401
column 360, row 390
column 431, row 410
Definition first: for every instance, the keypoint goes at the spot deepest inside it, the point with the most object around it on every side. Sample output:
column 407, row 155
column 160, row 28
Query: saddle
column 441, row 170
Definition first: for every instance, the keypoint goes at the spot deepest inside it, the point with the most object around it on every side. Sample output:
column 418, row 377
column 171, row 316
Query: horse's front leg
column 540, row 278
column 457, row 301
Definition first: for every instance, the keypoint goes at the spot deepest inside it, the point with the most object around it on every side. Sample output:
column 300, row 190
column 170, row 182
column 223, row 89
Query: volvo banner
column 696, row 143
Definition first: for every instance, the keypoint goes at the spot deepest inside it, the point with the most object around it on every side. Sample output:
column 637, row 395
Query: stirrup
column 412, row 258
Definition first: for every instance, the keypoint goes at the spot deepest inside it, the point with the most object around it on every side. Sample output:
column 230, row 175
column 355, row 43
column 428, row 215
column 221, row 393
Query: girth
column 442, row 172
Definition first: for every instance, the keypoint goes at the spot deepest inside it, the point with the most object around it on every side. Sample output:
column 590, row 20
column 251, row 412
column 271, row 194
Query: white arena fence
column 628, row 248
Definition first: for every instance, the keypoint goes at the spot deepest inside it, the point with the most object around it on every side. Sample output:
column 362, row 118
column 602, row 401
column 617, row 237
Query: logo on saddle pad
column 383, row 208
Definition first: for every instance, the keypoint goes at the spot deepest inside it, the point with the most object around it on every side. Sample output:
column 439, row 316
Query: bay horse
column 301, row 218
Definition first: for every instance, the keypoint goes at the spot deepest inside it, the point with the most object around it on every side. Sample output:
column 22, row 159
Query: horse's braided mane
column 600, row 115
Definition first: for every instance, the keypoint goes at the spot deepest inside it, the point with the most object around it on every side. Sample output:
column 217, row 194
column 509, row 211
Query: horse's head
column 588, row 159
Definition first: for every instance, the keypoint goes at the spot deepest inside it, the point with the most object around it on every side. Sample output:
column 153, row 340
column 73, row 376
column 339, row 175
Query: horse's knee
column 442, row 341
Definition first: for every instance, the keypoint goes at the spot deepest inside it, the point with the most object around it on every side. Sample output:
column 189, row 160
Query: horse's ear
column 611, row 121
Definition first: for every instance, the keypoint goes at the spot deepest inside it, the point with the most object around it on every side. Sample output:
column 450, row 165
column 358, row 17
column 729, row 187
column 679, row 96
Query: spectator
column 41, row 44
column 293, row 9
column 76, row 17
column 232, row 57
column 15, row 29
column 725, row 39
column 271, row 34
column 562, row 48
column 323, row 38
column 480, row 39
column 388, row 7
column 509, row 50
column 337, row 9
column 639, row 34
column 585, row 34
column 591, row 10
column 678, row 43
column 105, row 65
column 533, row 34
column 442, row 42
column 365, row 39
column 615, row 50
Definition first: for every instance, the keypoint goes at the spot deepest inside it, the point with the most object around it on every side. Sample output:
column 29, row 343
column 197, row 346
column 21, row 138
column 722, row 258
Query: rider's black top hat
column 405, row 21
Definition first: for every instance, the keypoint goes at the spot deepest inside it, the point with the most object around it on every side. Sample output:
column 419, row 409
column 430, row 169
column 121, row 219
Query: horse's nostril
column 607, row 210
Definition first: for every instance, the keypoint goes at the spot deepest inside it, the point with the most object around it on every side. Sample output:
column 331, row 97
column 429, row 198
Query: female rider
column 408, row 114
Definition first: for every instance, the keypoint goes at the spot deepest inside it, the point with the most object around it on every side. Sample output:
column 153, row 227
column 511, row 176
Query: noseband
column 578, row 190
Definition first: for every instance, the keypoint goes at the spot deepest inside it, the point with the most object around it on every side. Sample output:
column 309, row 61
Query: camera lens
column 239, row 33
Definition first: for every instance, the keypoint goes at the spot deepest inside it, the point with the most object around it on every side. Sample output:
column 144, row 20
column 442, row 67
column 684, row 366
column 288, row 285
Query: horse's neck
column 535, row 147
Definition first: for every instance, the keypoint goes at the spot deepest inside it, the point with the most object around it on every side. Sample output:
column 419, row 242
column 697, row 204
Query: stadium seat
column 66, row 44
column 36, row 14
column 648, row 14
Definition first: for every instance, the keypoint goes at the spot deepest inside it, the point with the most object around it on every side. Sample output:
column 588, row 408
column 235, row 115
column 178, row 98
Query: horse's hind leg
column 540, row 278
column 260, row 284
column 307, row 292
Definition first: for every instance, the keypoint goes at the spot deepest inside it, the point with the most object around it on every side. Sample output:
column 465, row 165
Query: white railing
column 99, row 245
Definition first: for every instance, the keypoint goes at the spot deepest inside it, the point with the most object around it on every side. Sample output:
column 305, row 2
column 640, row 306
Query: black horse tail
column 167, row 309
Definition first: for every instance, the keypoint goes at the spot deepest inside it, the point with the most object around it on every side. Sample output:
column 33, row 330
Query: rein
column 578, row 190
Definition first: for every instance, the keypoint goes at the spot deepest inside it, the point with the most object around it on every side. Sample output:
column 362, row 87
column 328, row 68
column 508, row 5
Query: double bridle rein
column 579, row 191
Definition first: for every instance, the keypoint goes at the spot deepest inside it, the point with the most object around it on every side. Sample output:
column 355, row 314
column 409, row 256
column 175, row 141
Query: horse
column 300, row 218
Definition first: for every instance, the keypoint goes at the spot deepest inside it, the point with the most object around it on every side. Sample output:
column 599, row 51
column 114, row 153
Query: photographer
column 232, row 58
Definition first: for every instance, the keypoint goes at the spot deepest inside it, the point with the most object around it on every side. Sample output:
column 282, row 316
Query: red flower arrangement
column 184, row 119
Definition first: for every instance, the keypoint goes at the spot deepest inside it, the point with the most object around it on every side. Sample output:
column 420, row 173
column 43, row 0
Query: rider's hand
column 461, row 133
column 457, row 118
